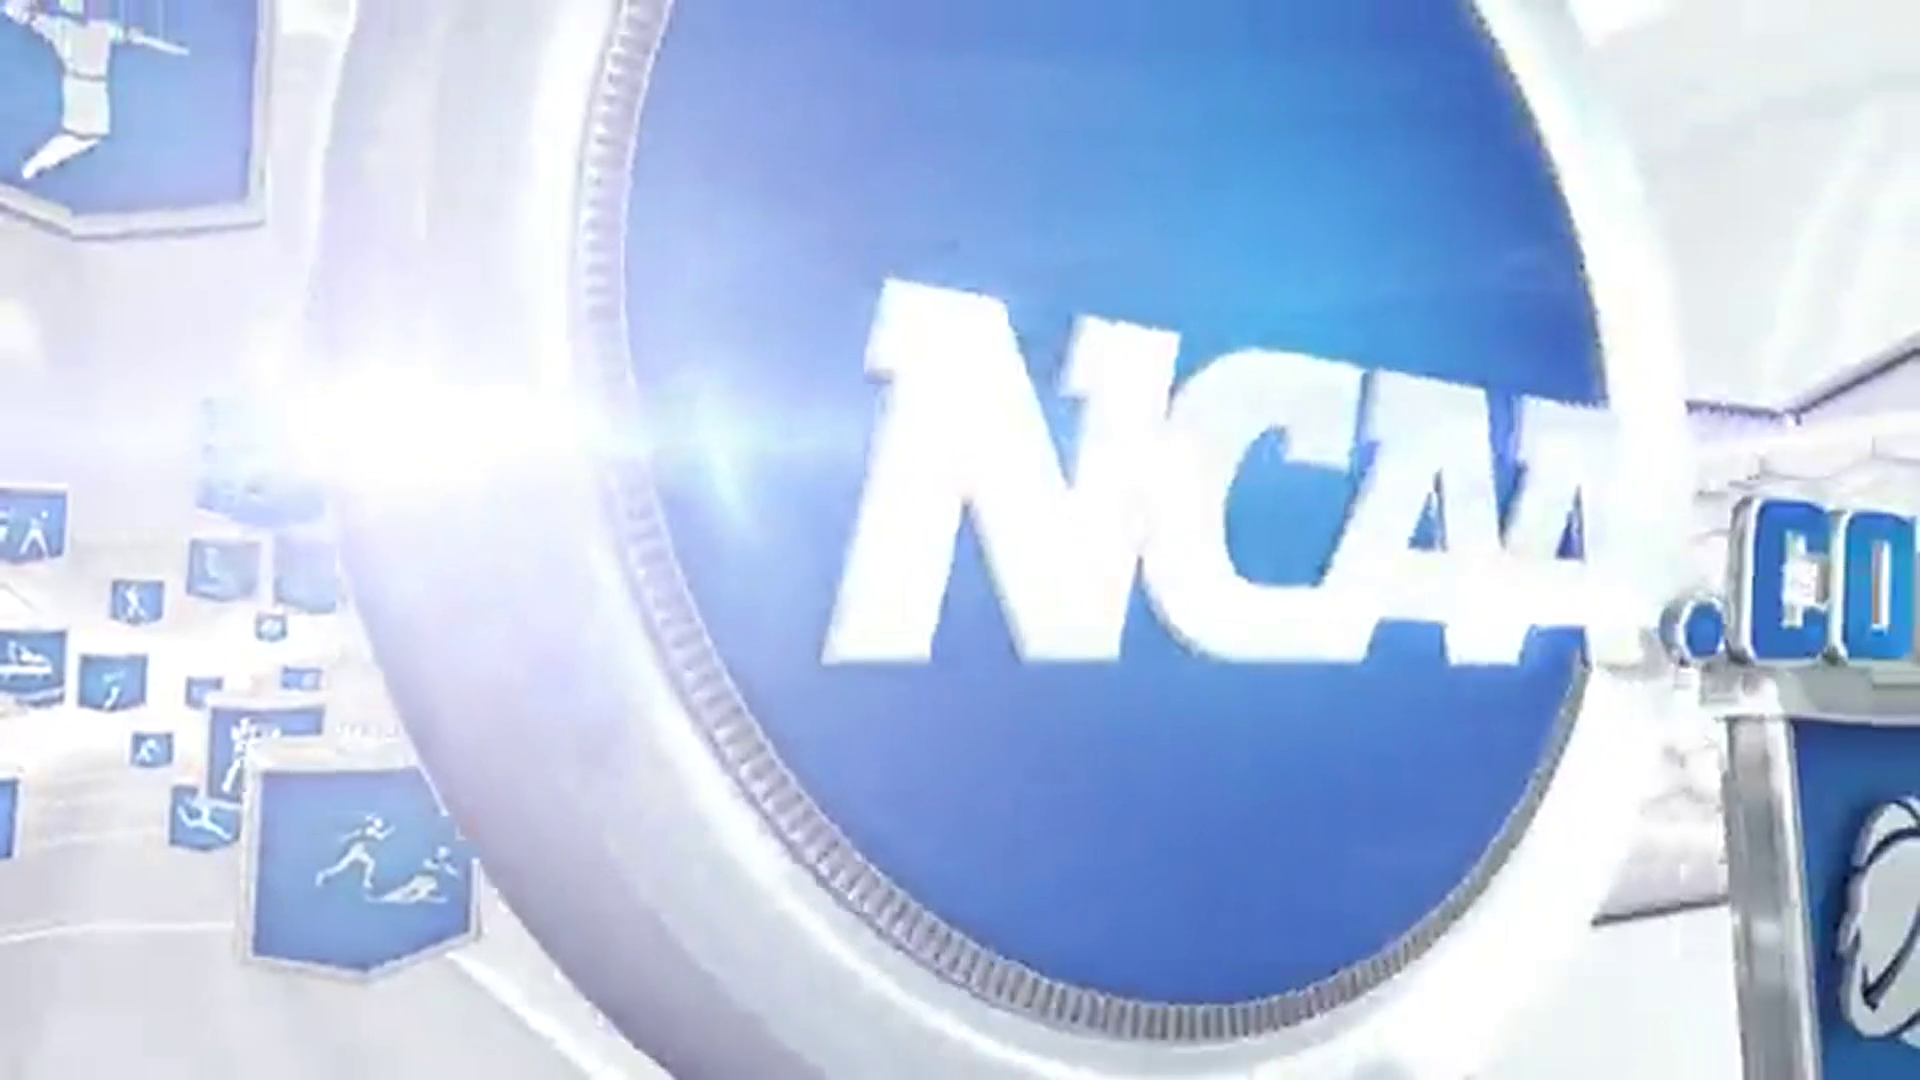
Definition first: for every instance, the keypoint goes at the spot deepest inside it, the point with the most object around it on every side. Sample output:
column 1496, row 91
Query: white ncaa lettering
column 962, row 429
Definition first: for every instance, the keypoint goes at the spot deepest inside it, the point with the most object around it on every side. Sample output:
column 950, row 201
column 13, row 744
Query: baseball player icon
column 84, row 45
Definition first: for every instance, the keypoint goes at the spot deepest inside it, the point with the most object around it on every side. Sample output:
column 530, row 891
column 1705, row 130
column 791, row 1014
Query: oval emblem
column 1070, row 430
column 1112, row 501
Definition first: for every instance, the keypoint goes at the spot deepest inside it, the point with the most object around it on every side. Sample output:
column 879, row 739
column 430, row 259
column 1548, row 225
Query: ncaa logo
column 133, row 116
column 1144, row 485
column 1127, row 564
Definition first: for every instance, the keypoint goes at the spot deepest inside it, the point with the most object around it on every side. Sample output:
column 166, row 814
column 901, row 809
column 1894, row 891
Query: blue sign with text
column 1809, row 585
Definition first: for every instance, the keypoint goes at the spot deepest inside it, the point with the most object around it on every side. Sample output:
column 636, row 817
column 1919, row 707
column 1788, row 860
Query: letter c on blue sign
column 1876, row 577
column 1770, row 535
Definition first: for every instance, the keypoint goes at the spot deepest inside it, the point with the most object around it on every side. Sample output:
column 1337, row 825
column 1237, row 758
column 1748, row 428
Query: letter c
column 1771, row 626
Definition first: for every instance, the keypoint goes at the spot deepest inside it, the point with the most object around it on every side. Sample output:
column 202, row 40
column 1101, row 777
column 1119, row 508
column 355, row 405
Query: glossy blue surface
column 1351, row 178
column 1845, row 772
column 1770, row 635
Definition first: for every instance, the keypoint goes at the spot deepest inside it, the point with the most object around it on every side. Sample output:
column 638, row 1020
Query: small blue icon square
column 270, row 626
column 200, row 686
column 306, row 574
column 198, row 823
column 301, row 679
column 113, row 683
column 150, row 749
column 9, row 815
column 33, row 666
column 33, row 524
column 137, row 601
column 223, row 570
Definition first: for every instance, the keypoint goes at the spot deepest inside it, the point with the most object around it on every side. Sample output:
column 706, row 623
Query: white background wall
column 1780, row 141
column 1651, row 1000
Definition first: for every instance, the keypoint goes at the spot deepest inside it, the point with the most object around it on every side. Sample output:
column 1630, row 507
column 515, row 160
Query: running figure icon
column 353, row 868
column 197, row 821
column 200, row 815
column 357, row 853
column 84, row 45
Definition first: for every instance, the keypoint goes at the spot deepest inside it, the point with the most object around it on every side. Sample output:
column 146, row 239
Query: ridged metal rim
column 659, row 587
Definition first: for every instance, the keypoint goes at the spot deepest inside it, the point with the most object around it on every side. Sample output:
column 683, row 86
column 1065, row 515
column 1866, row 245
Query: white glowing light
column 398, row 431
column 22, row 347
column 1601, row 21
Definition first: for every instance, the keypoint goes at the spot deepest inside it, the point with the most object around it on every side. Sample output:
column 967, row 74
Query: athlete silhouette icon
column 247, row 734
column 200, row 815
column 131, row 606
column 26, row 534
column 84, row 45
column 424, row 887
column 22, row 662
column 357, row 852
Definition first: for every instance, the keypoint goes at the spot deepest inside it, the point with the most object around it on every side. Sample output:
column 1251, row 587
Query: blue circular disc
column 1705, row 628
column 1351, row 180
column 1694, row 629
